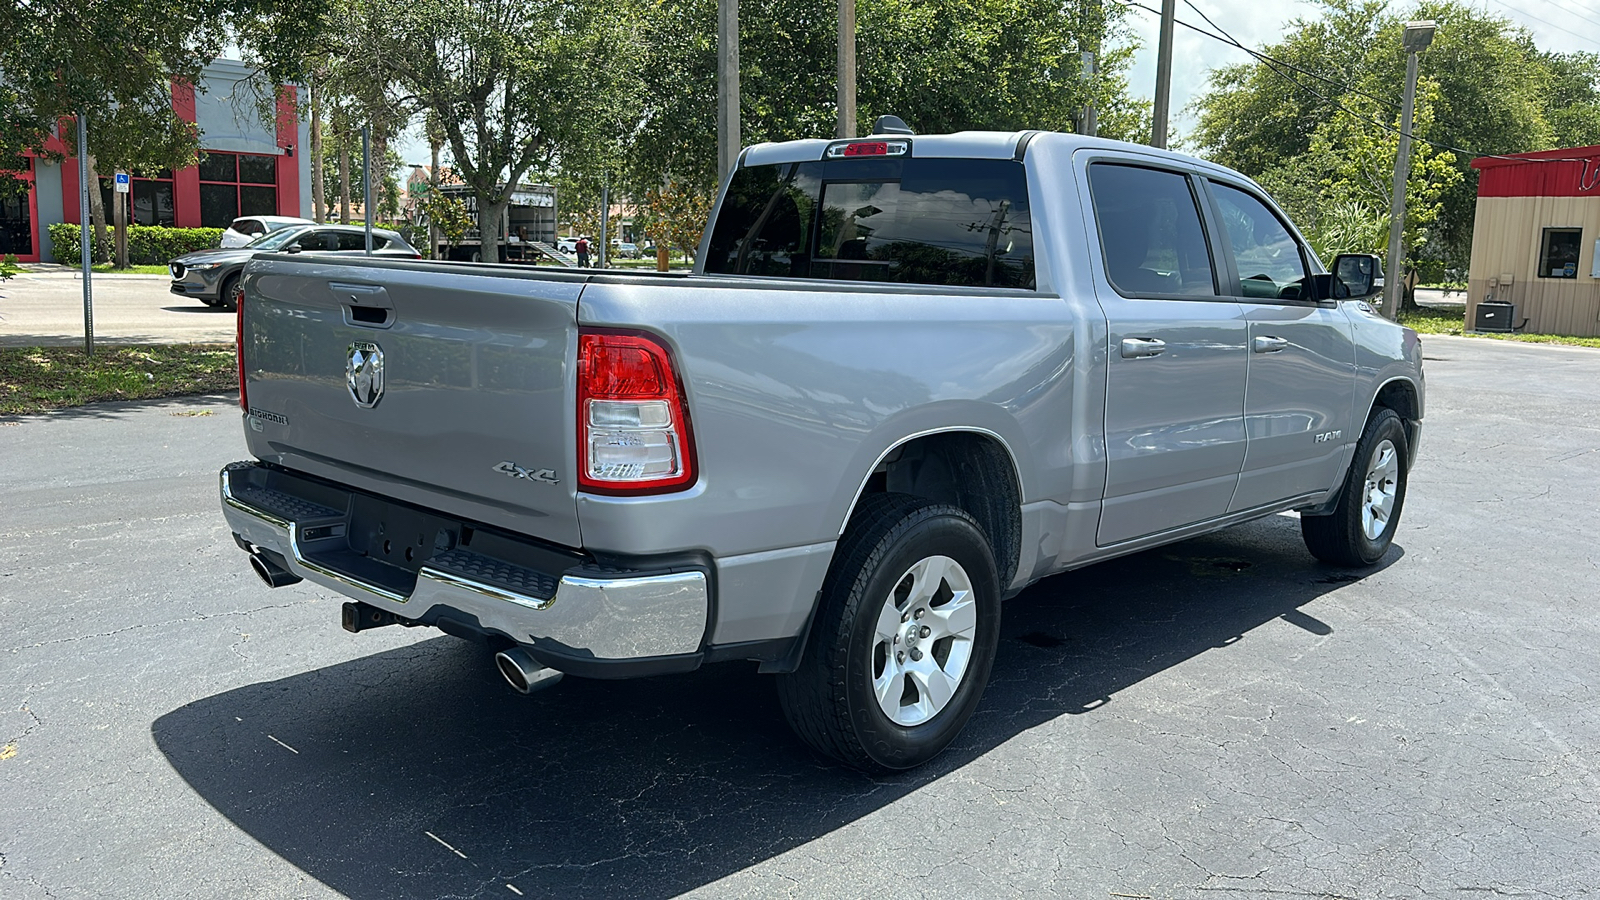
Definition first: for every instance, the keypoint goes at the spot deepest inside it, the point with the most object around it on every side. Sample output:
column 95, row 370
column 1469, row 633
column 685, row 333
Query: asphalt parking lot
column 1220, row 718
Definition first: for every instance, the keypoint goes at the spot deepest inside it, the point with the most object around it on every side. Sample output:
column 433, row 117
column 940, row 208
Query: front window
column 1266, row 254
column 1558, row 253
column 150, row 199
column 275, row 240
column 236, row 184
column 960, row 222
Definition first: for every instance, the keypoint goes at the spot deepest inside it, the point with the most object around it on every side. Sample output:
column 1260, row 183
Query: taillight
column 633, row 422
column 238, row 343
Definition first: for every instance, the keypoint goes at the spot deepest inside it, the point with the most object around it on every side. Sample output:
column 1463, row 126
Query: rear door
column 1175, row 381
column 446, row 387
column 1301, row 392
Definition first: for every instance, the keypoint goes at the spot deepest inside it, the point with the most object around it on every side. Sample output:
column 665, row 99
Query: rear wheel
column 903, row 642
column 1362, row 526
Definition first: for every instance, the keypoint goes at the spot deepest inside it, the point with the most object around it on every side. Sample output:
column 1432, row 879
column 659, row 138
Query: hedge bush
column 148, row 245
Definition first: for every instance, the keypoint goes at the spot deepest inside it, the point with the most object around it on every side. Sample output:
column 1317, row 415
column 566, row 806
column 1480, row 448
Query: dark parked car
column 212, row 276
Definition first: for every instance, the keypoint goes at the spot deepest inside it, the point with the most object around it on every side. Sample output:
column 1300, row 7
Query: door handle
column 1266, row 343
column 1133, row 348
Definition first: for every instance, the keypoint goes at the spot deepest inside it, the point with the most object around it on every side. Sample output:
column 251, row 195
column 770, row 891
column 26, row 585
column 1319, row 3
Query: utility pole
column 847, row 69
column 1088, row 123
column 83, row 231
column 727, row 87
column 1093, row 22
column 1158, row 128
column 1418, row 35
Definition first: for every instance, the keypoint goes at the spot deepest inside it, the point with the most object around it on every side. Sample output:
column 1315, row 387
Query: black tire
column 1341, row 538
column 829, row 700
column 225, row 293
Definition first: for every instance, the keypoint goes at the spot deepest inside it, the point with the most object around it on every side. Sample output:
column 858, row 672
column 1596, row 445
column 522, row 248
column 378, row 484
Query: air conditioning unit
column 1494, row 315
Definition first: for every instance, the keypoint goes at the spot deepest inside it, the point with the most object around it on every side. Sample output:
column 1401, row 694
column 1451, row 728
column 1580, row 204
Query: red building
column 246, row 168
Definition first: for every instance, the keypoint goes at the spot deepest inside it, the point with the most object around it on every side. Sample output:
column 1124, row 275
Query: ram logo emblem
column 1328, row 436
column 363, row 373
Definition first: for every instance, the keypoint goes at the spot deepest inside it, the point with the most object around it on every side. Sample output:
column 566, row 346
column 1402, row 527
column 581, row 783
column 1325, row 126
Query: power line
column 1572, row 12
column 1273, row 65
column 1530, row 15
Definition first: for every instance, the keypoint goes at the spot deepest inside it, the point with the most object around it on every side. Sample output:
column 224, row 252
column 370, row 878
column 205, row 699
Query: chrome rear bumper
column 586, row 619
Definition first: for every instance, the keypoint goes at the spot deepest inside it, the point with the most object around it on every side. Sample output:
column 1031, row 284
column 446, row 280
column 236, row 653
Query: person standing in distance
column 583, row 252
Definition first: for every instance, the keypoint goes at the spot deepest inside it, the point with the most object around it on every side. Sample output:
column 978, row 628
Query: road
column 1221, row 718
column 46, row 309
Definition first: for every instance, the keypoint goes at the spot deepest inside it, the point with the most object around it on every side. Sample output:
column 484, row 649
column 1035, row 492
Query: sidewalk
column 57, row 270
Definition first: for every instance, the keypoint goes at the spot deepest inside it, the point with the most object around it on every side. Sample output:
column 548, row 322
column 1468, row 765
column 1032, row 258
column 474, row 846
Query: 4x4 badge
column 547, row 476
column 363, row 373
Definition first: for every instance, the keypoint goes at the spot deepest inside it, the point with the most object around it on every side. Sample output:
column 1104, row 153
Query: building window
column 1558, row 253
column 237, row 184
column 16, row 221
column 151, row 199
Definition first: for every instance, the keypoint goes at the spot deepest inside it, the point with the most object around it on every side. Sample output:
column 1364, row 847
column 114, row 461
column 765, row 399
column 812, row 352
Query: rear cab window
column 957, row 222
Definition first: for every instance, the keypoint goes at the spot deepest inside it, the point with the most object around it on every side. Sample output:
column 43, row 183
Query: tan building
column 1536, row 241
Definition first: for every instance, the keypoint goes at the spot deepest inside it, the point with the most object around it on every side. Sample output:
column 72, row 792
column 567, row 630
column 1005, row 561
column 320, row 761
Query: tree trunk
column 344, row 177
column 489, row 229
column 433, row 188
column 319, row 195
column 97, row 214
column 380, row 168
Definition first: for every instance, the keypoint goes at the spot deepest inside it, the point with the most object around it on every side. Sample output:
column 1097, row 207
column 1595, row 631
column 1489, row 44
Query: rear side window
column 1150, row 231
column 357, row 241
column 962, row 222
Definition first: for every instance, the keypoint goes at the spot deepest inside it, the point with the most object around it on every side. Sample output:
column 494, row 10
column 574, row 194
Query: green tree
column 513, row 86
column 942, row 65
column 1289, row 123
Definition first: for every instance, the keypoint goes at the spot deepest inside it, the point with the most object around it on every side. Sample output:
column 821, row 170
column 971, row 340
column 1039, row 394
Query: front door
column 1175, row 382
column 1300, row 401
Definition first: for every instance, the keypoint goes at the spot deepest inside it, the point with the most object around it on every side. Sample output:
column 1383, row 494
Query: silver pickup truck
column 909, row 377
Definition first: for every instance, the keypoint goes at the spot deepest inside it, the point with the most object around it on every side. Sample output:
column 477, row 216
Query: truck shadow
column 417, row 772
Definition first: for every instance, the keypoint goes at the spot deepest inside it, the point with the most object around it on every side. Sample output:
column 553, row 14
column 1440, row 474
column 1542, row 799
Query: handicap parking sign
column 122, row 182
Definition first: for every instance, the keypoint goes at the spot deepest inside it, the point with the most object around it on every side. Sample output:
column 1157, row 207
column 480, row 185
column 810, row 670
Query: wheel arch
column 1402, row 395
column 971, row 467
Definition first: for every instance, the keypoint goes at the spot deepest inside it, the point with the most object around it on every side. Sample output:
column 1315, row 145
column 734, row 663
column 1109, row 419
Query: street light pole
column 1418, row 35
column 84, row 234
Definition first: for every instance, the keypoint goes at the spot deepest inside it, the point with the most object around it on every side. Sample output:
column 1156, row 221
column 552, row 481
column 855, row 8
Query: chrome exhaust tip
column 270, row 573
column 523, row 672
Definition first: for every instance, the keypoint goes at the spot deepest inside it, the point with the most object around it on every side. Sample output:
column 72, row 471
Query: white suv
column 247, row 228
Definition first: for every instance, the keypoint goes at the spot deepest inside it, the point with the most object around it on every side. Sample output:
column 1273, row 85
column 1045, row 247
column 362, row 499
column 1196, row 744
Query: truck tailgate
column 444, row 386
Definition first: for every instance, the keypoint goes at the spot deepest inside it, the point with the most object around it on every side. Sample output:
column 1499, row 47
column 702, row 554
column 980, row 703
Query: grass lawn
column 1448, row 320
column 36, row 379
column 105, row 269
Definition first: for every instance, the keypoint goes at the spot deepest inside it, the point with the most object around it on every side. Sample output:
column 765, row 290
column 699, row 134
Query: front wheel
column 1362, row 525
column 228, row 294
column 903, row 642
